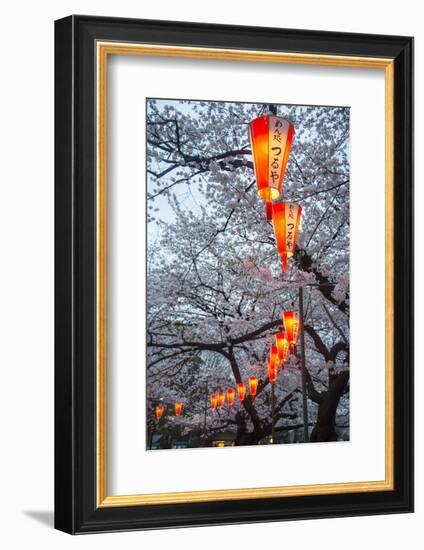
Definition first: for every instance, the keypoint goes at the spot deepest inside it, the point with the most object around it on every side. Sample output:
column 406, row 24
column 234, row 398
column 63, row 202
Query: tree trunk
column 324, row 429
column 244, row 437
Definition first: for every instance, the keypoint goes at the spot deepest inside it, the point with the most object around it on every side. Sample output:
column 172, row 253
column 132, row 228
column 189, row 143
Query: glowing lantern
column 271, row 138
column 159, row 411
column 286, row 220
column 272, row 371
column 241, row 390
column 274, row 357
column 178, row 408
column 253, row 385
column 214, row 401
column 221, row 399
column 283, row 347
column 230, row 397
column 291, row 324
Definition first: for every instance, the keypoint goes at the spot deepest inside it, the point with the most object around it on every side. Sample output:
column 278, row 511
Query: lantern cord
column 262, row 110
column 284, row 259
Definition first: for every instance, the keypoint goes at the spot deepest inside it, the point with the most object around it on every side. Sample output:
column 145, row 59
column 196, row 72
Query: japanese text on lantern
column 290, row 226
column 276, row 152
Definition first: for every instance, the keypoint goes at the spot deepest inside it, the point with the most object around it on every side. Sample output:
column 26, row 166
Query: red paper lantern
column 274, row 357
column 271, row 138
column 178, row 408
column 272, row 371
column 291, row 325
column 221, row 399
column 253, row 385
column 286, row 220
column 214, row 401
column 241, row 390
column 159, row 411
column 230, row 397
column 283, row 347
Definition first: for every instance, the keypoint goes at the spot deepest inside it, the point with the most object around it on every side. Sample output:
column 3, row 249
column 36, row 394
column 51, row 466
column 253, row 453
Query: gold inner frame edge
column 103, row 50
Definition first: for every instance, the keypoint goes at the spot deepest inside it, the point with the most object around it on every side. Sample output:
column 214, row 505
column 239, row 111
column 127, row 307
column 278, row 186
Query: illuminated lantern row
column 286, row 220
column 230, row 397
column 159, row 411
column 283, row 347
column 253, row 385
column 241, row 390
column 214, row 401
column 271, row 138
column 280, row 352
column 178, row 407
column 291, row 325
column 219, row 399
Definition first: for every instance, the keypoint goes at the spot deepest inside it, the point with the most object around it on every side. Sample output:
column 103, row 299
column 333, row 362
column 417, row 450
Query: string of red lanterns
column 160, row 409
column 271, row 139
column 285, row 343
column 218, row 400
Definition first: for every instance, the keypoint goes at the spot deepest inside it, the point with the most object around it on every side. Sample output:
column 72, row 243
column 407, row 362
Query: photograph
column 208, row 275
column 247, row 273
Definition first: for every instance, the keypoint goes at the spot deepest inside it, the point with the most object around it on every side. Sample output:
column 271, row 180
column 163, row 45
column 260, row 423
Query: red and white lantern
column 214, row 401
column 241, row 391
column 271, row 138
column 291, row 325
column 230, row 397
column 286, row 219
column 253, row 385
column 272, row 371
column 159, row 411
column 274, row 357
column 283, row 347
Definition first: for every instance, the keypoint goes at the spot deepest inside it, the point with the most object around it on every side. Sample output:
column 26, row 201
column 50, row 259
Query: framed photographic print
column 234, row 256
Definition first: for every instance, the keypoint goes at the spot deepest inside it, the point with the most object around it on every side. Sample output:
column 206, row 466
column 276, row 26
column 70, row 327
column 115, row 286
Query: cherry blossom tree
column 215, row 288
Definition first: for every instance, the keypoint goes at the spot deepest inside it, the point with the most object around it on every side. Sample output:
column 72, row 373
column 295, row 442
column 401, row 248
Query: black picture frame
column 76, row 509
